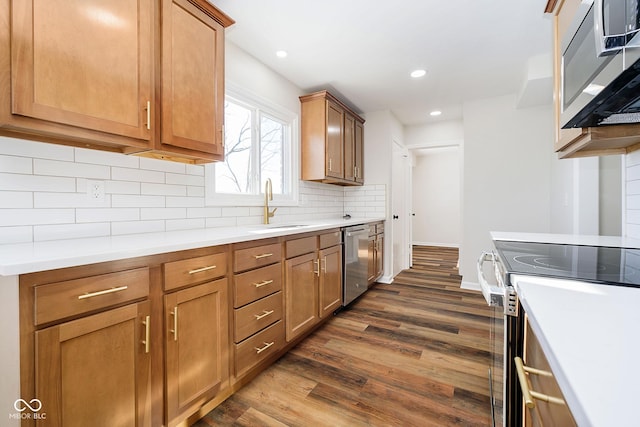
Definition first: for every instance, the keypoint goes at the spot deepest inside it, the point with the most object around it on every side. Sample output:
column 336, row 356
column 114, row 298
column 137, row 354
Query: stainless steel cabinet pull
column 263, row 283
column 146, row 322
column 103, row 292
column 266, row 346
column 527, row 394
column 329, row 164
column 262, row 256
column 174, row 331
column 264, row 314
column 200, row 270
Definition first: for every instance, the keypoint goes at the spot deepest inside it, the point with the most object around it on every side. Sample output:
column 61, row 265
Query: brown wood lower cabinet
column 301, row 294
column 543, row 413
column 96, row 371
column 330, row 280
column 197, row 355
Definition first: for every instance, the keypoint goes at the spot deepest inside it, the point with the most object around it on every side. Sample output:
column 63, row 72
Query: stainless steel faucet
column 268, row 195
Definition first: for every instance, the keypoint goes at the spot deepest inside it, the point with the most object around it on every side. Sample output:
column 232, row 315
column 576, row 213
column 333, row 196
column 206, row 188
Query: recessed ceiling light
column 281, row 54
column 418, row 73
column 435, row 113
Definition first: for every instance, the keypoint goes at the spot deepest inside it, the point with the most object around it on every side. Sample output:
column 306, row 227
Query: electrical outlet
column 95, row 191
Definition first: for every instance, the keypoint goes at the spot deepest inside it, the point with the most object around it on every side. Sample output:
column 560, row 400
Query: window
column 259, row 145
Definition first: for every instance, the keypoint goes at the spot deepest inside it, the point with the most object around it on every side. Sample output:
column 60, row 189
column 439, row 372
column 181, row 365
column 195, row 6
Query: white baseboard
column 385, row 279
column 473, row 286
column 444, row 245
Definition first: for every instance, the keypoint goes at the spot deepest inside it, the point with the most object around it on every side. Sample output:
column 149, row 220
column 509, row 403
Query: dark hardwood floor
column 412, row 353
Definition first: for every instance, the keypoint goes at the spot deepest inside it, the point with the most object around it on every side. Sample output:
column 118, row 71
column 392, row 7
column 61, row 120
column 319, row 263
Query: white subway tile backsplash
column 136, row 175
column 38, row 150
column 70, row 231
column 137, row 201
column 162, row 165
column 67, row 200
column 43, row 196
column 13, row 164
column 17, row 182
column 134, row 227
column 195, row 180
column 107, row 214
column 185, row 224
column 82, row 170
column 185, row 202
column 13, row 217
column 16, row 199
column 22, row 234
column 162, row 213
column 163, row 189
column 83, row 155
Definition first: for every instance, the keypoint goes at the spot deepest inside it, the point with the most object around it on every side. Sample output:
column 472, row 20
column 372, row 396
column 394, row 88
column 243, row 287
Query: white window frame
column 291, row 166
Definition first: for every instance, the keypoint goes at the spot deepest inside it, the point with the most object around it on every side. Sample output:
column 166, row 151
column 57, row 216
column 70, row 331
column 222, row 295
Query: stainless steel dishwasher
column 355, row 262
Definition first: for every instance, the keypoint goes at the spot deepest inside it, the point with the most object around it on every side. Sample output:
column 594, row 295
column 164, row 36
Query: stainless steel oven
column 605, row 265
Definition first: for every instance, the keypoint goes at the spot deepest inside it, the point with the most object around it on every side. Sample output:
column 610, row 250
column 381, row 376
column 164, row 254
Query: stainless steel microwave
column 600, row 68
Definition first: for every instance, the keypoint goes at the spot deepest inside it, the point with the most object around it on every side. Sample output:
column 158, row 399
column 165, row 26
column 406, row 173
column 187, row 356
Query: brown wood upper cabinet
column 582, row 142
column 332, row 141
column 89, row 74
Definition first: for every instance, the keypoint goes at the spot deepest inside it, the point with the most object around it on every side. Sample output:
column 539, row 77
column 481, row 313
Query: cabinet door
column 544, row 413
column 335, row 140
column 197, row 346
column 349, row 148
column 301, row 294
column 192, row 79
column 330, row 282
column 95, row 371
column 86, row 63
column 359, row 152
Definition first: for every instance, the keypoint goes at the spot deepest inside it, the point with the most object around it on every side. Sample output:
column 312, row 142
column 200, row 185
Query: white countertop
column 31, row 257
column 567, row 239
column 588, row 333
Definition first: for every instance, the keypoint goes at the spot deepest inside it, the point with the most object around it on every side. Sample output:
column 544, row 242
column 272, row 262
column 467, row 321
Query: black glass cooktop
column 599, row 264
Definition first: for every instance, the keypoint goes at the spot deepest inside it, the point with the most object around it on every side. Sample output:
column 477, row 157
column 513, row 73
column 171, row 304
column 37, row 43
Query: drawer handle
column 200, row 270
column 103, row 292
column 264, row 314
column 262, row 256
column 527, row 394
column 147, row 326
column 316, row 263
column 174, row 331
column 263, row 283
column 266, row 346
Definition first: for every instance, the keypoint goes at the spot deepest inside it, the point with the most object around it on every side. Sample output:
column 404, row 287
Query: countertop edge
column 24, row 258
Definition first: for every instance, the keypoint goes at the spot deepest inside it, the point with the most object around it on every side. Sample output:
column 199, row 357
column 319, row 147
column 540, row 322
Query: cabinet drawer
column 302, row 246
column 253, row 317
column 55, row 301
column 253, row 350
column 245, row 259
column 330, row 239
column 194, row 270
column 255, row 284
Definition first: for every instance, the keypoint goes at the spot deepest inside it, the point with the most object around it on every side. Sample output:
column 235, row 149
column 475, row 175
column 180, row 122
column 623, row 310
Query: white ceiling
column 364, row 50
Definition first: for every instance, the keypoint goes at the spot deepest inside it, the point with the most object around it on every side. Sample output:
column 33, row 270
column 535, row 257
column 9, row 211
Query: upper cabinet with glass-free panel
column 332, row 141
column 85, row 74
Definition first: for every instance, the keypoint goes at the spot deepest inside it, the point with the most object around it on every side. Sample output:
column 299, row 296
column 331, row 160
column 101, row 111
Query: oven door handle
column 494, row 295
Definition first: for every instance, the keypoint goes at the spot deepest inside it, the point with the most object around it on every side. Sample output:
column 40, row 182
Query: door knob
column 395, row 217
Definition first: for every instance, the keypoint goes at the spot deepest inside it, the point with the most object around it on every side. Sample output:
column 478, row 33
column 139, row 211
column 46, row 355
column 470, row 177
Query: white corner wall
column 436, row 198
column 507, row 174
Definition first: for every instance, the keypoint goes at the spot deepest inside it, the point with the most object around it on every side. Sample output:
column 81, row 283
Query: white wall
column 507, row 174
column 633, row 194
column 436, row 197
column 437, row 134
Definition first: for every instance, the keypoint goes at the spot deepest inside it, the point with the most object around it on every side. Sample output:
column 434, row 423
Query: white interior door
column 400, row 200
